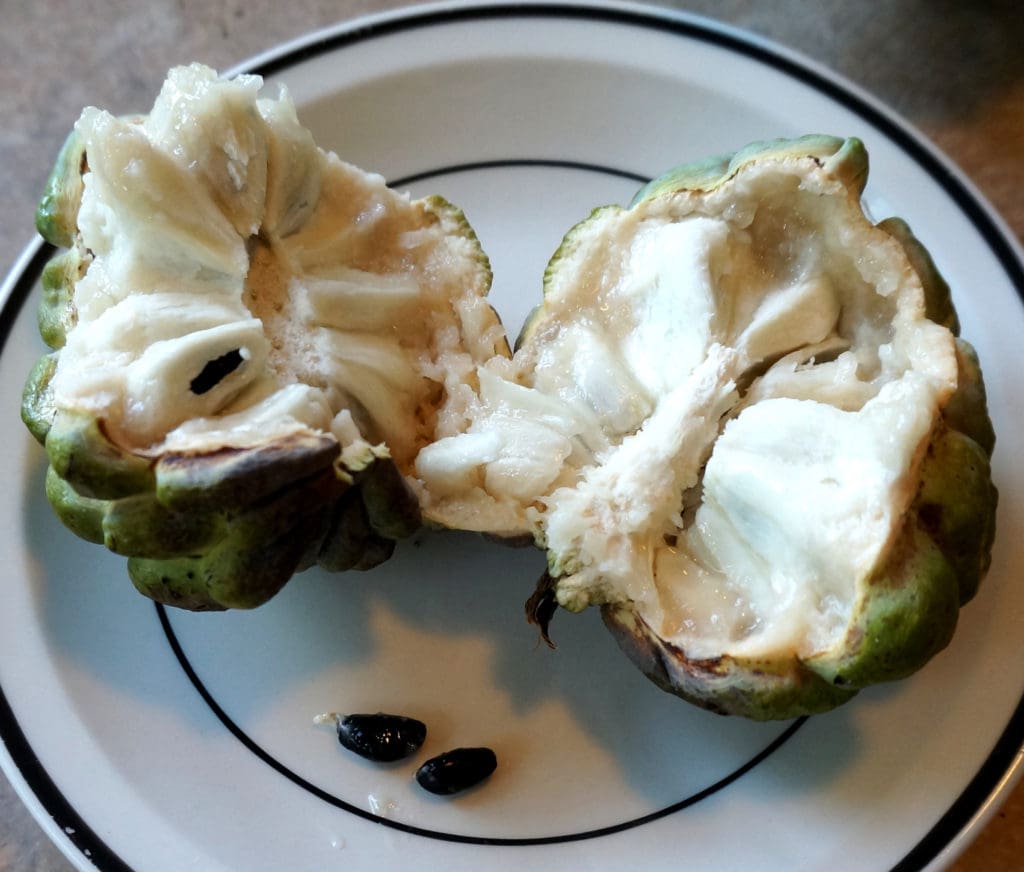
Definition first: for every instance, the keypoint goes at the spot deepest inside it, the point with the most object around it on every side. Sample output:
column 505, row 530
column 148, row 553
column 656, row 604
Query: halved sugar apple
column 250, row 337
column 742, row 424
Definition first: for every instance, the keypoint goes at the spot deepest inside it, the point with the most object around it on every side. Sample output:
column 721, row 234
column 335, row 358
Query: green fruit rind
column 80, row 452
column 768, row 690
column 37, row 408
column 347, row 536
column 254, row 557
column 392, row 509
column 139, row 526
column 907, row 614
column 131, row 526
column 180, row 583
column 957, row 506
column 57, row 213
column 82, row 515
column 56, row 314
column 844, row 159
column 457, row 224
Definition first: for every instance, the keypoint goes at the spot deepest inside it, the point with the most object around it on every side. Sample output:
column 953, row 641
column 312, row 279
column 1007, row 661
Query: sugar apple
column 250, row 338
column 742, row 424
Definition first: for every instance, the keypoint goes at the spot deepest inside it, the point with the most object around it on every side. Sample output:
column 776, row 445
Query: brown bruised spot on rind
column 625, row 627
column 233, row 477
column 759, row 690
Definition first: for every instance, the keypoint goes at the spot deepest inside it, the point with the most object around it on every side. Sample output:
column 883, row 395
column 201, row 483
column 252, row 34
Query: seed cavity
column 216, row 371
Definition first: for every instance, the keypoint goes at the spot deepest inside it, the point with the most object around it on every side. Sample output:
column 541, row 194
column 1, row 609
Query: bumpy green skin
column 57, row 213
column 213, row 531
column 907, row 609
column 56, row 315
column 844, row 159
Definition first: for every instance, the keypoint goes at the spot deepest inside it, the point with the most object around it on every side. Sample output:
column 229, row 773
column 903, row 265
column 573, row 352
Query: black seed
column 381, row 737
column 215, row 371
column 456, row 770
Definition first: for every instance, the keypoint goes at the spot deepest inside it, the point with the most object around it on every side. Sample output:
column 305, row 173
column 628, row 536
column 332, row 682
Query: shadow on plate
column 442, row 624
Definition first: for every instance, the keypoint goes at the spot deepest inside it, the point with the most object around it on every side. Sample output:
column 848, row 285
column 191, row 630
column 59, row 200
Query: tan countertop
column 955, row 70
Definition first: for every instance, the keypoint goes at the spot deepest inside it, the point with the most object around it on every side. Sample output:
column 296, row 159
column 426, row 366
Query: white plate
column 160, row 740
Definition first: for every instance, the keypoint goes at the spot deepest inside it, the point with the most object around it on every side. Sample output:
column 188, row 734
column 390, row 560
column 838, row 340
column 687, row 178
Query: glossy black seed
column 216, row 370
column 381, row 737
column 456, row 770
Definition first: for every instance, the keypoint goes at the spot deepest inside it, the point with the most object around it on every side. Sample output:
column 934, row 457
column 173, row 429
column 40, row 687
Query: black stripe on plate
column 971, row 800
column 511, row 163
column 64, row 816
column 23, row 288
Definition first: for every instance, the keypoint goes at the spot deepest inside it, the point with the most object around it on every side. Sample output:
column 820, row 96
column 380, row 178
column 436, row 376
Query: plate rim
column 1000, row 770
